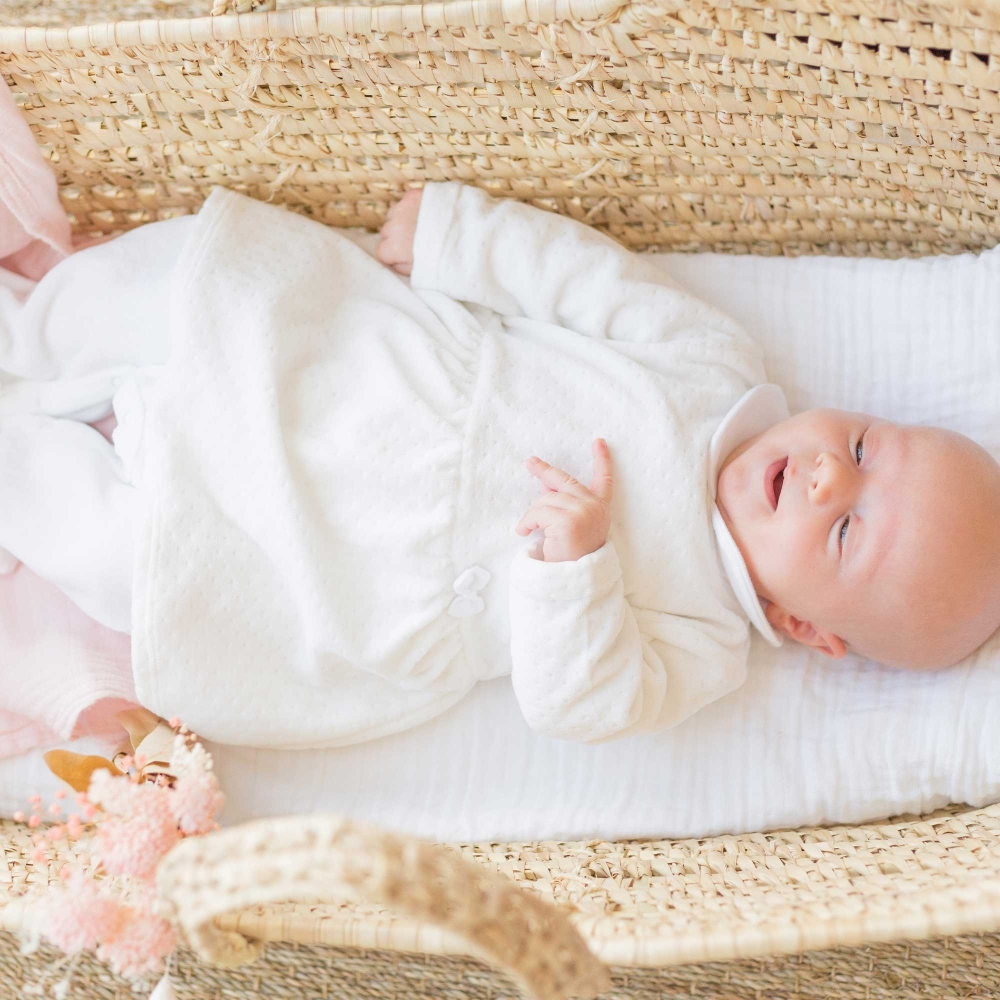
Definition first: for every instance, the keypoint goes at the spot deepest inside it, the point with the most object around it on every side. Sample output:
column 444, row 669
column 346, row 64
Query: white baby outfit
column 327, row 466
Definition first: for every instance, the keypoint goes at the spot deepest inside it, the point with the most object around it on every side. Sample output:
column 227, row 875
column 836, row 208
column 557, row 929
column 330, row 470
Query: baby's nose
column 826, row 478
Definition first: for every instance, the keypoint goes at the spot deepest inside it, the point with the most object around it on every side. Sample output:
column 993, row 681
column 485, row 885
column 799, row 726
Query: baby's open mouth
column 774, row 479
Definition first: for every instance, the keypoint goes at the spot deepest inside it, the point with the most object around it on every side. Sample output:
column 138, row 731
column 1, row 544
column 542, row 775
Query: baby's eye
column 843, row 527
column 859, row 448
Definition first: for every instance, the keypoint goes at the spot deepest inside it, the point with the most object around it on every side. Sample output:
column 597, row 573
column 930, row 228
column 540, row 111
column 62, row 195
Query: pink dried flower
column 35, row 800
column 60, row 793
column 196, row 796
column 19, row 816
column 113, row 793
column 79, row 915
column 135, row 824
column 174, row 722
column 38, row 854
column 140, row 946
column 134, row 845
column 195, row 805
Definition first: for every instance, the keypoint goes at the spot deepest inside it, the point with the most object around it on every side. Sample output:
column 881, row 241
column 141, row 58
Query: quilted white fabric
column 341, row 454
column 804, row 740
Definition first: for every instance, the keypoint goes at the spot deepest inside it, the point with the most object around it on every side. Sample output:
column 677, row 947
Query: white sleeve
column 521, row 261
column 588, row 667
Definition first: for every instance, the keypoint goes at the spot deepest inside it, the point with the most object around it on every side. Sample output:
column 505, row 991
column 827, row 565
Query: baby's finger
column 539, row 517
column 555, row 478
column 553, row 500
column 600, row 485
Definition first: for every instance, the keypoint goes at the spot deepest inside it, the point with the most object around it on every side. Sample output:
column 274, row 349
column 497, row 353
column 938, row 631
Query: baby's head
column 869, row 536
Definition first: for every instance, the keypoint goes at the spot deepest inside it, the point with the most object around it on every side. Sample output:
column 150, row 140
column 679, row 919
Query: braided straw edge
column 341, row 21
column 310, row 22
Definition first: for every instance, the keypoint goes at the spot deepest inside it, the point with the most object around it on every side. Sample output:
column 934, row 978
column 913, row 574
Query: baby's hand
column 576, row 520
column 395, row 244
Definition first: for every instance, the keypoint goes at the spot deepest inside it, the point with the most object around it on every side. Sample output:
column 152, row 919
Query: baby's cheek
column 781, row 566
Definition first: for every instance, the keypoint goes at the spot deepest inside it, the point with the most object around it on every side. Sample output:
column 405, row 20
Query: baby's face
column 864, row 533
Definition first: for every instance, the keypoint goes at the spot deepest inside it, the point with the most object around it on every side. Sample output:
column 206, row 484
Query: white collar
column 760, row 408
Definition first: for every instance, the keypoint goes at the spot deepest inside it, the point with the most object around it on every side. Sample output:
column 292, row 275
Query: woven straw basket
column 850, row 126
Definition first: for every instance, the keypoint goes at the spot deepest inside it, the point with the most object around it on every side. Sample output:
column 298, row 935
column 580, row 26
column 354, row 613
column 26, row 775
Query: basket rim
column 934, row 915
column 338, row 21
column 916, row 909
column 343, row 20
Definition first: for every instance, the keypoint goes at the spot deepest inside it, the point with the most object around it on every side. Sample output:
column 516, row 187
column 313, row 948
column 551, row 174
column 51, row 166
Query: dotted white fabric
column 329, row 450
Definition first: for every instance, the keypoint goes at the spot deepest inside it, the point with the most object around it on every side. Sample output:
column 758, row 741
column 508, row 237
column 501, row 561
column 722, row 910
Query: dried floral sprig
column 132, row 814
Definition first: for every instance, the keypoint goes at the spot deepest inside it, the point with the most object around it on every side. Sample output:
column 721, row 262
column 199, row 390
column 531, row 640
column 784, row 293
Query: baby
column 858, row 534
column 312, row 519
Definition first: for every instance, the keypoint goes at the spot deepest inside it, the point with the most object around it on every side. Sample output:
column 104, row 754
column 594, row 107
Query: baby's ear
column 805, row 632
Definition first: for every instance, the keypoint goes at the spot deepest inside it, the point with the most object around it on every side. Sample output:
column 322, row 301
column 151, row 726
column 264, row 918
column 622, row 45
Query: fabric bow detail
column 467, row 586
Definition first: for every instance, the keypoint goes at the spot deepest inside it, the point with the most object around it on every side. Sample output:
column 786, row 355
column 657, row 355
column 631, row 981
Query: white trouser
column 67, row 513
column 77, row 341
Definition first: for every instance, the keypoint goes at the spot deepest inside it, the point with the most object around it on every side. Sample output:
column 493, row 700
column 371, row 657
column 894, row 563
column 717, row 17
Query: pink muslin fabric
column 62, row 675
column 34, row 230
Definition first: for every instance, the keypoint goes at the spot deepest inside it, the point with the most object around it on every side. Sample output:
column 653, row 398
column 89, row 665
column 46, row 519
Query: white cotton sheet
column 805, row 740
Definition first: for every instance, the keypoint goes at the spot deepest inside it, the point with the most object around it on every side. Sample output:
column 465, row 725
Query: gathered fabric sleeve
column 587, row 667
column 521, row 261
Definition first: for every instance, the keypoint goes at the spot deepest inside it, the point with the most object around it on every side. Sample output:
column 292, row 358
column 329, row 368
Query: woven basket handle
column 300, row 859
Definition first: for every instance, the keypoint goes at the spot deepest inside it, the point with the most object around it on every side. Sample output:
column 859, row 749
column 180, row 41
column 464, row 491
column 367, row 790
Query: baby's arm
column 576, row 671
column 586, row 666
column 580, row 668
column 589, row 667
column 521, row 261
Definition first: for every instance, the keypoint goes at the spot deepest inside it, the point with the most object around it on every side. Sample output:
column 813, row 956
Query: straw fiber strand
column 861, row 126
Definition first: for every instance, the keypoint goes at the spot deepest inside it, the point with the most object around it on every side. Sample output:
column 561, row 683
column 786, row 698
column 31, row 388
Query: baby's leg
column 102, row 308
column 67, row 513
